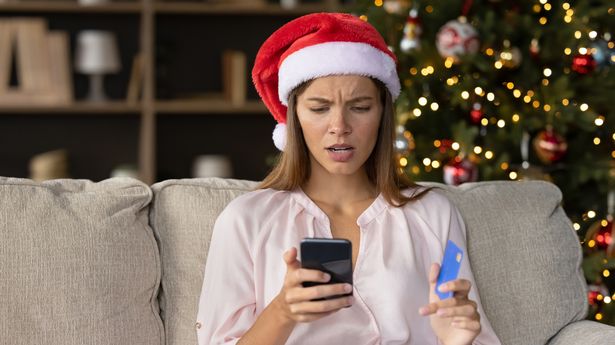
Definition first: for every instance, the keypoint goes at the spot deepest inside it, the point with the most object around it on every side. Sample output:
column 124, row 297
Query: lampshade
column 97, row 52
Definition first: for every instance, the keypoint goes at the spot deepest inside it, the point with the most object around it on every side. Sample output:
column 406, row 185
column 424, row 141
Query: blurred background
column 160, row 89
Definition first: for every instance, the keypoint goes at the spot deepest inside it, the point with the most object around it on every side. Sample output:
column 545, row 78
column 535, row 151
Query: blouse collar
column 370, row 213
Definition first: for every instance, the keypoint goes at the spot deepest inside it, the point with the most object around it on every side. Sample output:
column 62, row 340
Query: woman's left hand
column 455, row 320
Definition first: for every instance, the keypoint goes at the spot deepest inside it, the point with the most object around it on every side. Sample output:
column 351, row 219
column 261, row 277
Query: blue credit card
column 449, row 270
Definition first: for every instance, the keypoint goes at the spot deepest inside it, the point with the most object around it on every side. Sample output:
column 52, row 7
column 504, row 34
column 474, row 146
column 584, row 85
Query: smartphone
column 449, row 270
column 330, row 255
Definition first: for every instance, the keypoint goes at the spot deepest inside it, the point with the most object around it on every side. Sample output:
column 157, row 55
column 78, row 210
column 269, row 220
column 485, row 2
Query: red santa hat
column 318, row 45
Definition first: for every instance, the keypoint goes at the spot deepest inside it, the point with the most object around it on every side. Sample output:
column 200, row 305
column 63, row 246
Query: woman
column 330, row 80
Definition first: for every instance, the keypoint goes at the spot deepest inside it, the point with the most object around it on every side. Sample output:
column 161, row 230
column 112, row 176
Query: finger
column 466, row 310
column 433, row 273
column 290, row 258
column 471, row 325
column 301, row 294
column 461, row 287
column 309, row 275
column 321, row 306
column 433, row 307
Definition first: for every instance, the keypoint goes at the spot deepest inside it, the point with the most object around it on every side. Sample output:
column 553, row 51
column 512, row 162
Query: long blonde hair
column 293, row 167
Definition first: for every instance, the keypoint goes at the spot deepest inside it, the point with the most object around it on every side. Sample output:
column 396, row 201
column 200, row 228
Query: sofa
column 120, row 262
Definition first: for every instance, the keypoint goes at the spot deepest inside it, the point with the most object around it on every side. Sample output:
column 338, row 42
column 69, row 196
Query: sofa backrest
column 523, row 250
column 78, row 263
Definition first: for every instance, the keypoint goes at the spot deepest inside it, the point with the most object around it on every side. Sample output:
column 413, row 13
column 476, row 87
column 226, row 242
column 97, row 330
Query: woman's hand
column 454, row 320
column 294, row 301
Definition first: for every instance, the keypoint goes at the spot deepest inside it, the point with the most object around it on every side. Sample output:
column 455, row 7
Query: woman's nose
column 339, row 123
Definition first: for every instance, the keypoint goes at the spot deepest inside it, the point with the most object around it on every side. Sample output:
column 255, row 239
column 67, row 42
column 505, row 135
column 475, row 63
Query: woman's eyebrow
column 319, row 99
column 360, row 98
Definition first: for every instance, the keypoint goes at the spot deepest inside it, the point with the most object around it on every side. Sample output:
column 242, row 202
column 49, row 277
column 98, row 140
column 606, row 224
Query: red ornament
column 460, row 170
column 445, row 144
column 601, row 232
column 583, row 63
column 550, row 147
column 593, row 293
column 476, row 114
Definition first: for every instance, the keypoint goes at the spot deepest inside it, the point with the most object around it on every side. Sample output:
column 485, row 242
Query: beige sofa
column 120, row 262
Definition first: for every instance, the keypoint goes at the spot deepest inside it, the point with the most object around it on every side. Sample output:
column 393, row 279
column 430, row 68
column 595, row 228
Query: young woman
column 330, row 80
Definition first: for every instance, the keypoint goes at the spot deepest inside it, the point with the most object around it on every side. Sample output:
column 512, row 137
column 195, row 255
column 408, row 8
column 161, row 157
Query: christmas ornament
column 457, row 38
column 476, row 114
column 412, row 32
column 460, row 170
column 527, row 171
column 601, row 233
column 593, row 293
column 510, row 57
column 404, row 141
column 602, row 53
column 583, row 63
column 534, row 48
column 549, row 146
column 396, row 6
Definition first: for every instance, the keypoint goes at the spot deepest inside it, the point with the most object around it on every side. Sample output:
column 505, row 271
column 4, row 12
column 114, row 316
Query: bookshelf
column 182, row 111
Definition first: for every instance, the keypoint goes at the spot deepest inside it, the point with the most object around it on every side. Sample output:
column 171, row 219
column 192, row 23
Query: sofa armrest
column 584, row 333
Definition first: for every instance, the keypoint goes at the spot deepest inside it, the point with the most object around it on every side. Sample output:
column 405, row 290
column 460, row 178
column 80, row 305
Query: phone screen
column 332, row 256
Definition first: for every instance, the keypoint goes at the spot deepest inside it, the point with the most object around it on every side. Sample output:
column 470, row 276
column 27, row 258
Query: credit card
column 449, row 270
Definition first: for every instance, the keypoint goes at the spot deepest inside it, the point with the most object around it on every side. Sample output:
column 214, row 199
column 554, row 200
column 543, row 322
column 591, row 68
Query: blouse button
column 198, row 325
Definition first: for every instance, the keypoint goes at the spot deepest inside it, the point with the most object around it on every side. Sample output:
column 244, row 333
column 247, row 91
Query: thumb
column 433, row 277
column 290, row 258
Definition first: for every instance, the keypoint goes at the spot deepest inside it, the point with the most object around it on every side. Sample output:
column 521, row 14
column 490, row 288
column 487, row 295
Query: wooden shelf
column 48, row 6
column 209, row 106
column 239, row 8
column 77, row 108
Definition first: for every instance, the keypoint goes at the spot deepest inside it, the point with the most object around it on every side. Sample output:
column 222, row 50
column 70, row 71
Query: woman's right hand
column 295, row 301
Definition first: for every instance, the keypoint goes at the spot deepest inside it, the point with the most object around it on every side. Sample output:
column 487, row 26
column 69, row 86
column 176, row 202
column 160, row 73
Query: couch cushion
column 525, row 256
column 182, row 215
column 523, row 250
column 79, row 263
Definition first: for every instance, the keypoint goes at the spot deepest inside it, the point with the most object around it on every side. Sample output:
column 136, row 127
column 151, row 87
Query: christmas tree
column 498, row 89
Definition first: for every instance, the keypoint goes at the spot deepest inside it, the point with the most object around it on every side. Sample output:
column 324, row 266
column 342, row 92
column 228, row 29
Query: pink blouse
column 245, row 270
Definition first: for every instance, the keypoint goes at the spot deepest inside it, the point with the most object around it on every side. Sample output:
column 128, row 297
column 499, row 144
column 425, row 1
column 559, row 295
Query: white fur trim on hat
column 279, row 136
column 336, row 58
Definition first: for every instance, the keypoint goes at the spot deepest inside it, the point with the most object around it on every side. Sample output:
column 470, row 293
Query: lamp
column 97, row 55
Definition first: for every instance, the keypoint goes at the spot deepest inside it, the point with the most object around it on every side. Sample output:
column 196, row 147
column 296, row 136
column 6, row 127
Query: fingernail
column 442, row 288
column 423, row 311
column 348, row 288
column 327, row 277
column 350, row 300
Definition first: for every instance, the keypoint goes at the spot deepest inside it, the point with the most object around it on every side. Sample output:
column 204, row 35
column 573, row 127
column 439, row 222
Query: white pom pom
column 279, row 136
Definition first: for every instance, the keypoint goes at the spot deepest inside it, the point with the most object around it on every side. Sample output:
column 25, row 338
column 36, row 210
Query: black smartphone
column 330, row 255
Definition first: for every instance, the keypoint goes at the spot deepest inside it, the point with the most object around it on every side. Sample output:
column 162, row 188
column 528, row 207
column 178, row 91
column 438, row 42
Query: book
column 33, row 56
column 60, row 68
column 234, row 76
column 6, row 54
column 135, row 84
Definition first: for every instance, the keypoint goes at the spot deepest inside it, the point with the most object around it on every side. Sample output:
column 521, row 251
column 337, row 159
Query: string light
column 577, row 34
column 363, row 18
column 504, row 166
column 567, row 51
column 542, row 2
column 527, row 99
column 484, row 122
column 591, row 243
column 435, row 164
column 536, row 104
column 565, row 5
column 422, row 101
column 582, row 50
column 512, row 175
column 606, row 273
column 510, row 85
column 501, row 123
column 596, row 141
column 448, row 63
column 591, row 214
column 465, row 95
column 403, row 161
column 437, row 143
column 413, row 71
column 576, row 226
column 565, row 102
column 426, row 161
column 548, row 7
column 584, row 107
column 455, row 146
column 416, row 170
column 515, row 118
column 378, row 3
column 547, row 72
column 545, row 82
column 542, row 20
column 607, row 299
column 489, row 52
column 490, row 96
column 434, row 106
column 546, row 108
column 417, row 112
column 568, row 19
column 536, row 8
column 478, row 149
column 498, row 65
column 599, row 121
column 570, row 12
column 478, row 90
column 593, row 34
column 517, row 93
column 598, row 316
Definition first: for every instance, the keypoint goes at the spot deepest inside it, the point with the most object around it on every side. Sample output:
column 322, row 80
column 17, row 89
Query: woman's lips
column 340, row 154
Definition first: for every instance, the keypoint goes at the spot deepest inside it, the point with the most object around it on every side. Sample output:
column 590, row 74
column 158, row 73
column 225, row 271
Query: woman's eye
column 361, row 109
column 319, row 110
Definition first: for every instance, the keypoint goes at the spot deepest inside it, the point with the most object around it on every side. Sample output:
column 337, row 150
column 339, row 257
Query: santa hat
column 318, row 45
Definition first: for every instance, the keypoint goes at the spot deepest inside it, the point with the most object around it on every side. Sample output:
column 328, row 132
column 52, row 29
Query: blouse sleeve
column 227, row 301
column 457, row 234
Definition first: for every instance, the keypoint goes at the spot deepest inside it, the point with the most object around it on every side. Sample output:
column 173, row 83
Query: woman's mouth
column 340, row 153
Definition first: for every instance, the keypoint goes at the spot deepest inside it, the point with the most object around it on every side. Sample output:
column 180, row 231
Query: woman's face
column 340, row 117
